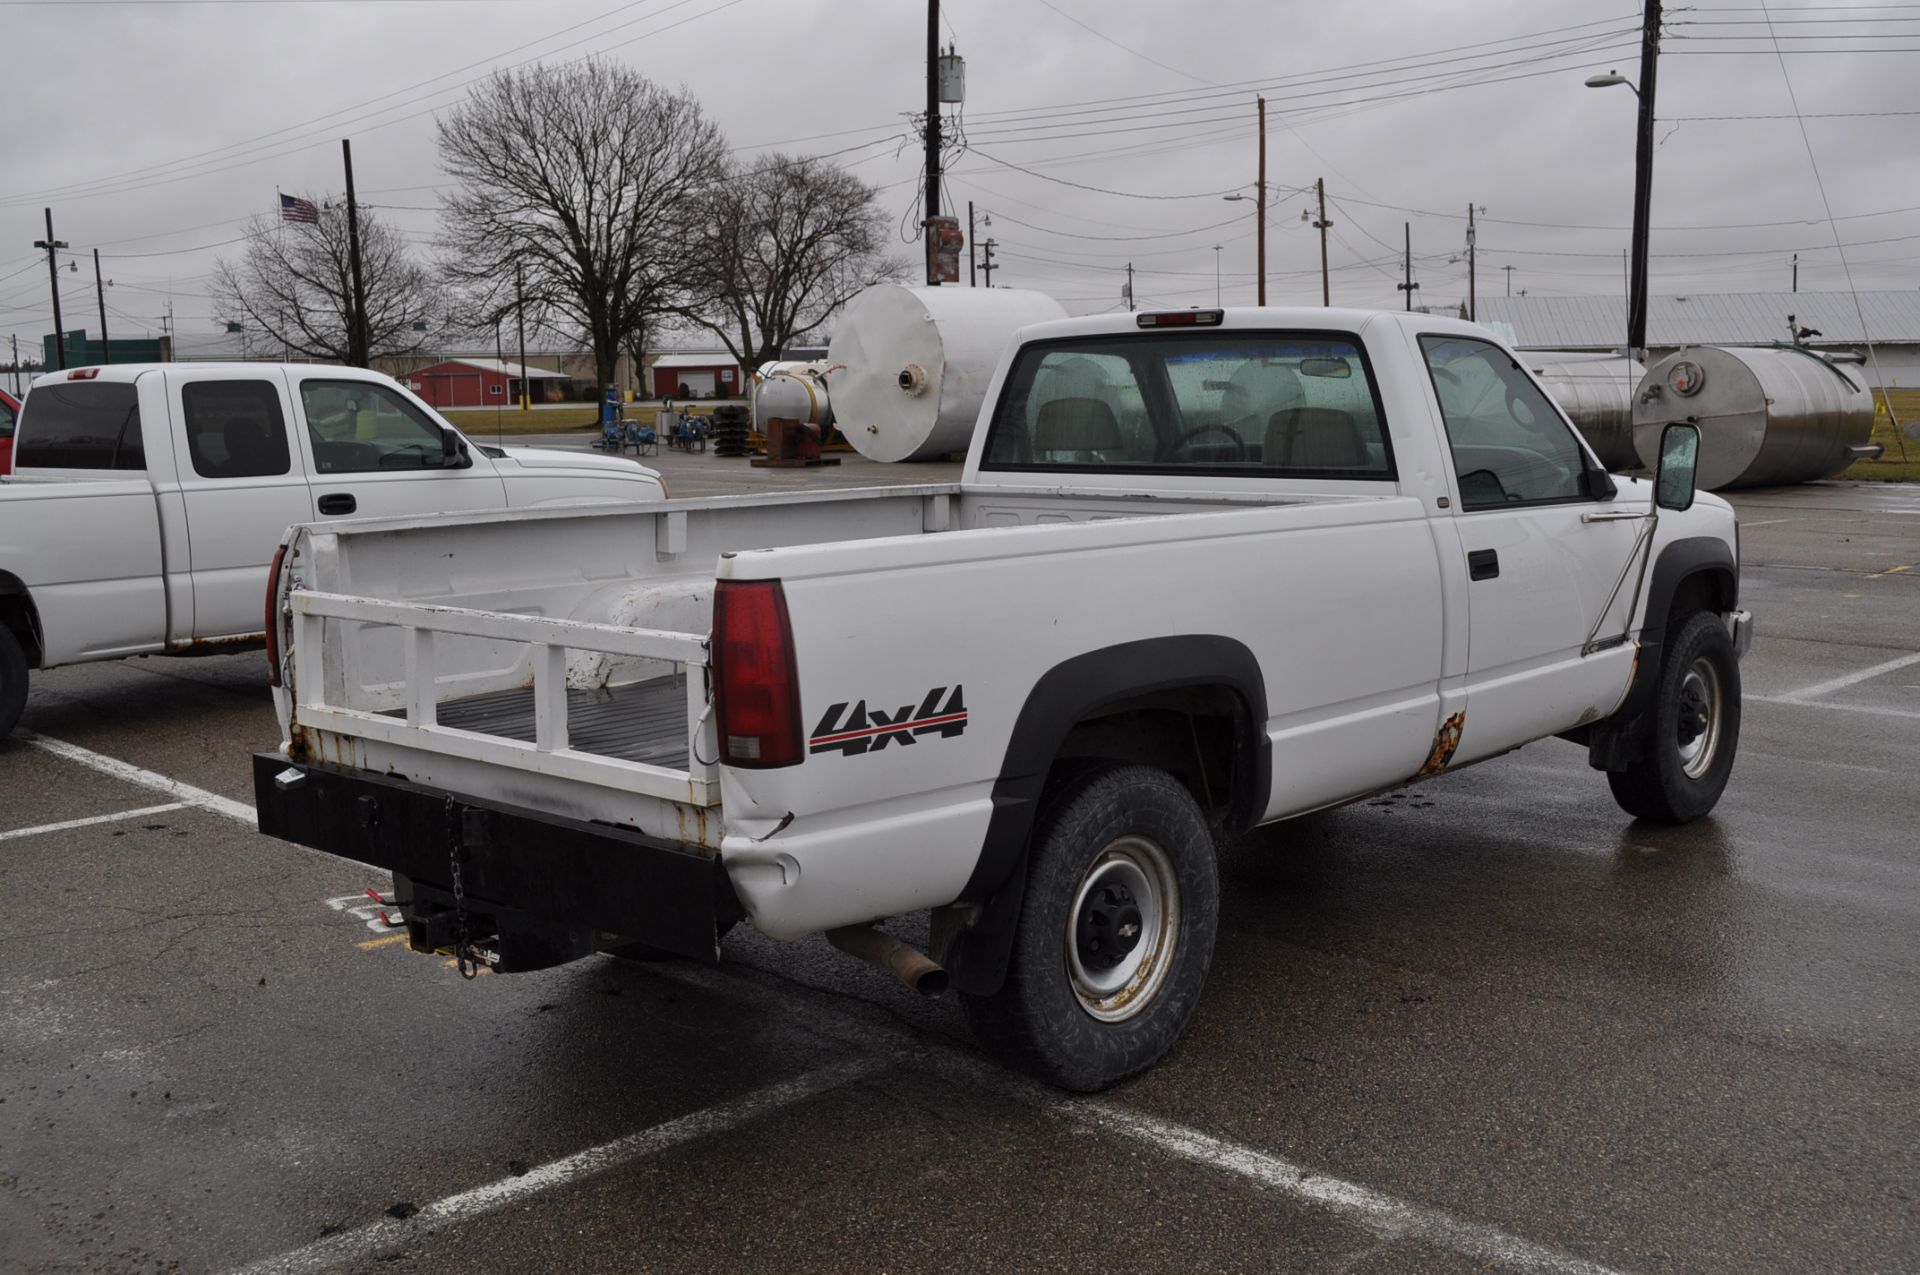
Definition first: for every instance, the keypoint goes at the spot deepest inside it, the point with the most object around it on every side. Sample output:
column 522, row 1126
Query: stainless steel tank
column 914, row 363
column 1767, row 415
column 794, row 389
column 1596, row 393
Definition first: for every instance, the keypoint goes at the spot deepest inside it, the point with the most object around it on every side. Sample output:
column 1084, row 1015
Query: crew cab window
column 358, row 427
column 1510, row 445
column 1235, row 404
column 80, row 425
column 235, row 429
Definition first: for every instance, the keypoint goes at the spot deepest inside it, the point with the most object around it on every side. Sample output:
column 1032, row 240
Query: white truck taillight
column 273, row 617
column 756, row 691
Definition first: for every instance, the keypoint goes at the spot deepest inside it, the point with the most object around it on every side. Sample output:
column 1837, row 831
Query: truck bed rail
column 413, row 720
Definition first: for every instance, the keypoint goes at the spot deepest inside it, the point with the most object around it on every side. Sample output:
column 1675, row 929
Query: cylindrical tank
column 912, row 364
column 1767, row 415
column 794, row 389
column 1596, row 393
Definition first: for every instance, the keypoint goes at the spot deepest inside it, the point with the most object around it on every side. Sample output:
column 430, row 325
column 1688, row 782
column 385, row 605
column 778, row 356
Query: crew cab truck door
column 241, row 486
column 1542, row 555
column 378, row 452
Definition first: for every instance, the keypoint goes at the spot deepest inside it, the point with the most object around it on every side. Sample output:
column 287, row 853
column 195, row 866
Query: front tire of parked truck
column 13, row 681
column 1116, row 931
column 1693, row 728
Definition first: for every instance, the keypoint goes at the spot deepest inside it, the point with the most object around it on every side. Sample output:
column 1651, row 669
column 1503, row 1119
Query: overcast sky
column 155, row 128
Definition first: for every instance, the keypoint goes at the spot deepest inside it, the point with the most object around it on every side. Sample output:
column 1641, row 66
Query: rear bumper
column 539, row 889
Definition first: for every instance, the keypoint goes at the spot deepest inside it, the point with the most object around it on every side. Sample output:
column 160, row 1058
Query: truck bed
column 643, row 722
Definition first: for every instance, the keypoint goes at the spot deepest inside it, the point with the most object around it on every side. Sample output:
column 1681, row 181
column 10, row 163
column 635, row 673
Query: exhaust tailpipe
column 904, row 962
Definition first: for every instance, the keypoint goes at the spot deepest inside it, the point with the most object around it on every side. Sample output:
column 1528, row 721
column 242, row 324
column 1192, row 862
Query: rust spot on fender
column 1444, row 742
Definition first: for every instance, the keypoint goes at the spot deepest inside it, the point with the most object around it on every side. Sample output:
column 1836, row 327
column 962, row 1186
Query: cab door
column 240, row 489
column 1543, row 558
column 376, row 452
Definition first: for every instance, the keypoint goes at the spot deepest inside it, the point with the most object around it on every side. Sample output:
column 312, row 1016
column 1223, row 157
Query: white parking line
column 1871, row 709
column 65, row 824
column 126, row 772
column 1851, row 679
column 359, row 1244
column 1381, row 1215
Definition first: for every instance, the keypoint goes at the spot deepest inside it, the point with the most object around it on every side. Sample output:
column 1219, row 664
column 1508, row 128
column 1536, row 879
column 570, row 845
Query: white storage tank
column 911, row 365
column 1767, row 416
column 792, row 389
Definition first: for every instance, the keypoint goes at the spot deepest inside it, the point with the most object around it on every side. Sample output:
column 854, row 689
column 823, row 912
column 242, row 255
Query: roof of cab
column 1242, row 318
column 134, row 371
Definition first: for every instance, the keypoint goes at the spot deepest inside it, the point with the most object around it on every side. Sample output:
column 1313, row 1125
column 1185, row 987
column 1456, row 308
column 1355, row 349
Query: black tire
column 1124, row 842
column 1693, row 728
column 13, row 682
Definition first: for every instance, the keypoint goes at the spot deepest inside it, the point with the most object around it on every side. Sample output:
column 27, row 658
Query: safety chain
column 464, row 956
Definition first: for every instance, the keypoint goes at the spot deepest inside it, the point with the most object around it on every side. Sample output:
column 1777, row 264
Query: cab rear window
column 80, row 425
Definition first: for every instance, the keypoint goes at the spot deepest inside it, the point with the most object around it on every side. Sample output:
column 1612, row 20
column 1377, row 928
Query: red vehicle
column 9, row 414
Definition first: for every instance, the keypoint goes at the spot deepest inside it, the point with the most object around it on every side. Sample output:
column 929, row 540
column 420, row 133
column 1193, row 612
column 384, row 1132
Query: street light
column 1642, row 171
column 1607, row 79
column 1261, row 237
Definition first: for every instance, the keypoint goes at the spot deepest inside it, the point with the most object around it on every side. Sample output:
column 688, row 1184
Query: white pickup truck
column 147, row 499
column 1204, row 570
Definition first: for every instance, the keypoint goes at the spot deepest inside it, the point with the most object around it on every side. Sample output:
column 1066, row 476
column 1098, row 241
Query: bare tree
column 781, row 247
column 293, row 283
column 583, row 178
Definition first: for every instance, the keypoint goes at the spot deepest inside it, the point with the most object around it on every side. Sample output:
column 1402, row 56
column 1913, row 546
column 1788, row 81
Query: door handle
column 342, row 502
column 1483, row 564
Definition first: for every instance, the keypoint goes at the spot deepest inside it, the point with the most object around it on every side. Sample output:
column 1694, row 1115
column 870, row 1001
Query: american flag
column 300, row 210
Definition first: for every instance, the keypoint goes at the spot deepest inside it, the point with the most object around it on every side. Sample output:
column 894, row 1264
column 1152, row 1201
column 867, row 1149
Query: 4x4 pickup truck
column 1204, row 570
column 147, row 500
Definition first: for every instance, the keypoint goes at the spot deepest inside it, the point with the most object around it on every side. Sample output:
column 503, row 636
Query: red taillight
column 83, row 374
column 273, row 617
column 1181, row 319
column 755, row 691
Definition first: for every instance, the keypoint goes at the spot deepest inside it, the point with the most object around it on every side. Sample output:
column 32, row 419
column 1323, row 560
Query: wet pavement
column 1487, row 1023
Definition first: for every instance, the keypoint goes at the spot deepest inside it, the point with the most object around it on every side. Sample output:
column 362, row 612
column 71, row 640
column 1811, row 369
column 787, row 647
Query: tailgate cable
column 464, row 954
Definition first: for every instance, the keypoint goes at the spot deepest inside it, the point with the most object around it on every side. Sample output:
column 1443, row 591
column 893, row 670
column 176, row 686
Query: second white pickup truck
column 1205, row 570
column 147, row 499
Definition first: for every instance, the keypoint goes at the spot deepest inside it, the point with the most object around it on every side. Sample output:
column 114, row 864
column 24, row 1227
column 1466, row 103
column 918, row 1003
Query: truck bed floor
column 643, row 722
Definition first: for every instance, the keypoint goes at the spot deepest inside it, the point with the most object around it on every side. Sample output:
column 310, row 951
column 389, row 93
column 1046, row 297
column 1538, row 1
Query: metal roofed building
column 1728, row 318
column 480, row 382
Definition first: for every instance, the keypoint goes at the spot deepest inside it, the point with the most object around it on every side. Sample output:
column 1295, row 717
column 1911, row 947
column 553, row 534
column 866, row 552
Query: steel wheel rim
column 1132, row 880
column 1698, row 732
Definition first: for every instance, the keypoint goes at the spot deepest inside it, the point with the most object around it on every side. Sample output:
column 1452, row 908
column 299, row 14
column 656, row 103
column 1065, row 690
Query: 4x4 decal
column 869, row 730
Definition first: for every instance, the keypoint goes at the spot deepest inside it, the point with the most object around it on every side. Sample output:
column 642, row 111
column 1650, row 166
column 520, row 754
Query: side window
column 235, row 429
column 1510, row 446
column 359, row 427
column 6, row 419
column 81, row 425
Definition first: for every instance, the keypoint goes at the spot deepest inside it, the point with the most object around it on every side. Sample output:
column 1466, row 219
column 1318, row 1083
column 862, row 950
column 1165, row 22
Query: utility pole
column 1409, row 286
column 53, row 246
column 1261, row 207
column 987, row 267
column 1472, row 297
column 1509, row 270
column 520, row 317
column 1643, row 182
column 100, row 294
column 1216, row 276
column 932, row 209
column 16, row 365
column 358, row 339
column 1796, row 272
column 973, row 265
column 1321, row 224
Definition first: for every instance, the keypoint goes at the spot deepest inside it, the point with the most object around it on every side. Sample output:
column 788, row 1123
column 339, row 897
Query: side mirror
column 1679, row 461
column 453, row 451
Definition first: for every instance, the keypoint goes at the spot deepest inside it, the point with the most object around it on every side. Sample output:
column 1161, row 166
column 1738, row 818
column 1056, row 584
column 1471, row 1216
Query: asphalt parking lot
column 1488, row 1023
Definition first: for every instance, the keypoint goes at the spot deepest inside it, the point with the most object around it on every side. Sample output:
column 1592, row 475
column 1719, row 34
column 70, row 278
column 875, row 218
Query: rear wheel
column 1693, row 728
column 1116, row 931
column 13, row 681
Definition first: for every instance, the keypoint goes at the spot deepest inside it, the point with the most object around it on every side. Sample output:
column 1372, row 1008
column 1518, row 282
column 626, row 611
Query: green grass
column 1891, row 467
column 481, row 422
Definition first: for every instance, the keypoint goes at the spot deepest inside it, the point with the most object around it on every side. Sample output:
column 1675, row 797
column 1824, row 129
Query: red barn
column 480, row 383
column 702, row 375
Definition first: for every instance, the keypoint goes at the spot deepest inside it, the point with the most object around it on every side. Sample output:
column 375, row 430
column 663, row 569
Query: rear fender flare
column 1066, row 695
